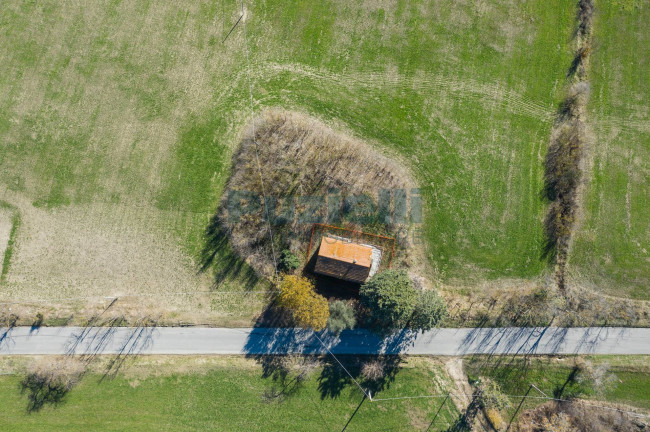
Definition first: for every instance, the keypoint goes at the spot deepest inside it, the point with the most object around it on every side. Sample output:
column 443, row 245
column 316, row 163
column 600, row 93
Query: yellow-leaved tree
column 309, row 309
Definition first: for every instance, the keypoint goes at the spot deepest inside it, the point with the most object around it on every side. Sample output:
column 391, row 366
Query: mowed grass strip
column 227, row 397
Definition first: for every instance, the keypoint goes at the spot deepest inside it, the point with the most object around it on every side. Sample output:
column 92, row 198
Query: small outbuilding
column 344, row 259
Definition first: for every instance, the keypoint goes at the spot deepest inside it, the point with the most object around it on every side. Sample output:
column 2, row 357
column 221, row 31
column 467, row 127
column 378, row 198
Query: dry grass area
column 578, row 416
column 68, row 263
column 165, row 365
column 87, row 251
column 301, row 161
column 539, row 303
column 5, row 231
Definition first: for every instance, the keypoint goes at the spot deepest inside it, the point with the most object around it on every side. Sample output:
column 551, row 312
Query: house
column 344, row 259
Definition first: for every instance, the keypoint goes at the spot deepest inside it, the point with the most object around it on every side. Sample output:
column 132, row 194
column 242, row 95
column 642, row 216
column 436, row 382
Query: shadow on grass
column 334, row 379
column 45, row 389
column 465, row 421
column 354, row 413
column 218, row 255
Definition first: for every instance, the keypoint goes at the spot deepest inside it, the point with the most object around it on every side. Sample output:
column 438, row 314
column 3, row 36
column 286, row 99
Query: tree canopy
column 429, row 311
column 341, row 317
column 391, row 299
column 393, row 302
column 309, row 309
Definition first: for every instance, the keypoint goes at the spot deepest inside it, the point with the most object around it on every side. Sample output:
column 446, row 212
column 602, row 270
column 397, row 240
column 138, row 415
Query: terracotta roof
column 345, row 251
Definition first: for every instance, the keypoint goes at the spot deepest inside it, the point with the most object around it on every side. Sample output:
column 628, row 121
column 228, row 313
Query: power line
column 257, row 156
column 346, row 371
column 233, row 28
column 435, row 417
column 518, row 408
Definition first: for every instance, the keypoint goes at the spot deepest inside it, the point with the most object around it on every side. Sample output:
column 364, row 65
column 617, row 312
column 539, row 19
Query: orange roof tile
column 345, row 251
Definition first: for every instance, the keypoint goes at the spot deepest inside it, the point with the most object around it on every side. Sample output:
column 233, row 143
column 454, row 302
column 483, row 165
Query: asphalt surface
column 257, row 341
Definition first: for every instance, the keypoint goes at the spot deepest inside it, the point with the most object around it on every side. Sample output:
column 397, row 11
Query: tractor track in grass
column 496, row 94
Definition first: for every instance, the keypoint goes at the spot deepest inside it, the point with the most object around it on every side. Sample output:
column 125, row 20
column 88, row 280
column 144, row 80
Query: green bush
column 341, row 317
column 390, row 298
column 429, row 311
column 288, row 261
column 490, row 395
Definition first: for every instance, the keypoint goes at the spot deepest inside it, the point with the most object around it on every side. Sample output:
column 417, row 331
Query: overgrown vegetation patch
column 563, row 166
column 581, row 383
column 292, row 171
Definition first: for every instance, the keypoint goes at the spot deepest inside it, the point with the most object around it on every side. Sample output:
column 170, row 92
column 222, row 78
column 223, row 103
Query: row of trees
column 389, row 301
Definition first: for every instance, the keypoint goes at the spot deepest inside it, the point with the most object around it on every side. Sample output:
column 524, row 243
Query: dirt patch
column 463, row 395
column 308, row 173
column 463, row 390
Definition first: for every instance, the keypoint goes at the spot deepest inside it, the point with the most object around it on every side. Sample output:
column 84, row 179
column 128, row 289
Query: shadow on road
column 99, row 335
column 288, row 356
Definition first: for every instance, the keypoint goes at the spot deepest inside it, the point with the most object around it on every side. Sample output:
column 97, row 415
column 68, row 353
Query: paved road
column 195, row 340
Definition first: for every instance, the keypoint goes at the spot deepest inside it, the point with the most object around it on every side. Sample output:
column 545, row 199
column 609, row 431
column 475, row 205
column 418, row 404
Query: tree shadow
column 510, row 351
column 341, row 372
column 565, row 389
column 93, row 338
column 36, row 324
column 5, row 336
column 98, row 336
column 333, row 378
column 137, row 340
column 465, row 420
column 10, row 323
column 277, row 350
column 218, row 255
column 272, row 344
column 45, row 389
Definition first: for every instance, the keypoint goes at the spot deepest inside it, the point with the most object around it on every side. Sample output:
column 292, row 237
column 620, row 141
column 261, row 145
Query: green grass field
column 120, row 118
column 612, row 249
column 226, row 397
